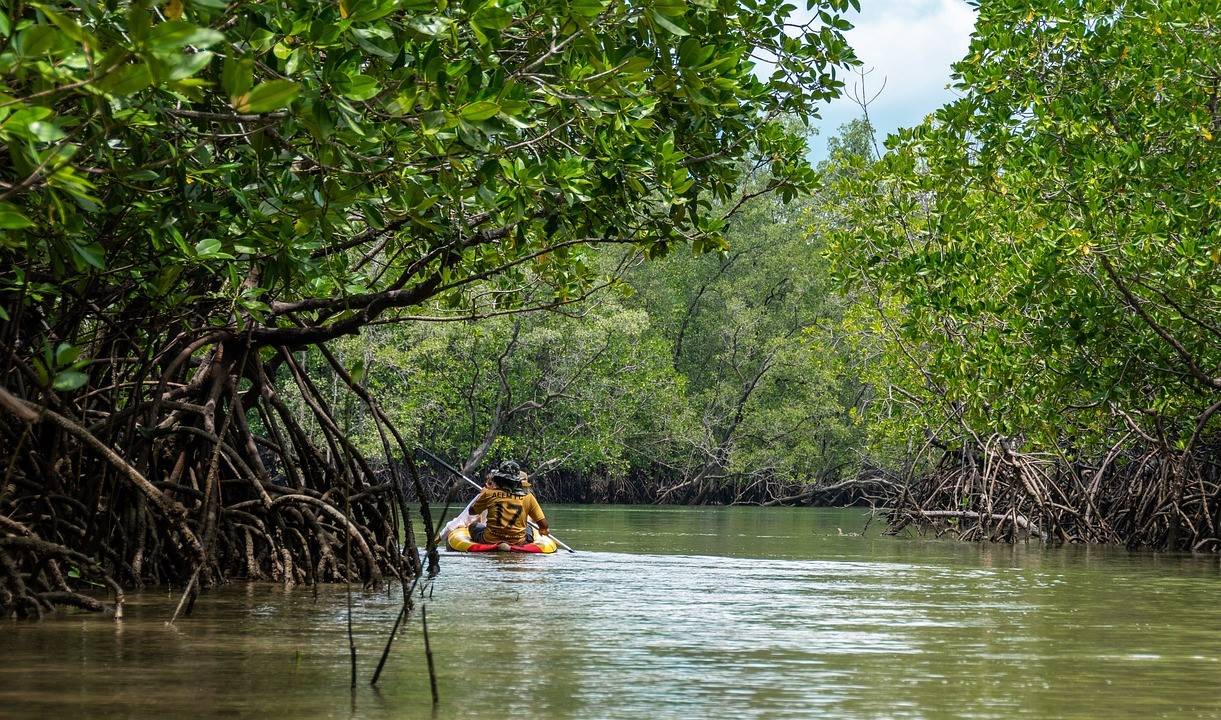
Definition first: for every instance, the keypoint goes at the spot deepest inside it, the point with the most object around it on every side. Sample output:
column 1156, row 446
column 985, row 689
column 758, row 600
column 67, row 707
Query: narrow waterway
column 670, row 613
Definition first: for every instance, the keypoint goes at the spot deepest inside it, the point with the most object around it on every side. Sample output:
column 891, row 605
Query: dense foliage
column 722, row 377
column 210, row 160
column 1047, row 254
column 195, row 189
column 556, row 392
column 254, row 253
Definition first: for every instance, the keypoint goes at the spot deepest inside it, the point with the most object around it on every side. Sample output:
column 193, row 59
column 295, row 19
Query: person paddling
column 509, row 504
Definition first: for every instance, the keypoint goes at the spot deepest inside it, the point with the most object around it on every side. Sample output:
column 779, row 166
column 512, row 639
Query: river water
column 683, row 613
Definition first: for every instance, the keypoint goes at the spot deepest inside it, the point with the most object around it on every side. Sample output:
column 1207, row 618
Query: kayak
column 460, row 540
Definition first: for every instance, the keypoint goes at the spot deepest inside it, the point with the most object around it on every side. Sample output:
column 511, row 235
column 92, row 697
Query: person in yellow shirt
column 509, row 504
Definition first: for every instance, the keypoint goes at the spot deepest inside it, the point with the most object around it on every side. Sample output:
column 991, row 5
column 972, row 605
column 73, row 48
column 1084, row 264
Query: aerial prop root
column 176, row 487
column 1136, row 496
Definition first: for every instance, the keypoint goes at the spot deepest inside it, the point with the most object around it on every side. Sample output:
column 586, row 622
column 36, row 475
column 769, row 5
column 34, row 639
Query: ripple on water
column 699, row 625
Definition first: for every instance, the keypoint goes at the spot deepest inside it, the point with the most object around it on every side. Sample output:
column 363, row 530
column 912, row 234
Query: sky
column 910, row 44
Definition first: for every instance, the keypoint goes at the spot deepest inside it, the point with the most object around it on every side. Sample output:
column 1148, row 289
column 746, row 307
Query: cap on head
column 509, row 476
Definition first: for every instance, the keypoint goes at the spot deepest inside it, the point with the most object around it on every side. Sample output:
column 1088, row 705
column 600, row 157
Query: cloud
column 910, row 44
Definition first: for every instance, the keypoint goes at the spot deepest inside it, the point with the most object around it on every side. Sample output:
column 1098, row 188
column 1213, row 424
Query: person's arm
column 535, row 513
column 483, row 502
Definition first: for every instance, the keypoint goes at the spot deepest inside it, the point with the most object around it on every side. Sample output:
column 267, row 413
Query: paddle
column 477, row 486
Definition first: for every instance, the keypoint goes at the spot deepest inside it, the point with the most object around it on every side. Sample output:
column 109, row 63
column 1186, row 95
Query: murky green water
column 671, row 613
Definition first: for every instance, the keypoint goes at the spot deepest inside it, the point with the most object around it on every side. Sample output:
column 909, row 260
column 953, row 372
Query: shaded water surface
column 670, row 613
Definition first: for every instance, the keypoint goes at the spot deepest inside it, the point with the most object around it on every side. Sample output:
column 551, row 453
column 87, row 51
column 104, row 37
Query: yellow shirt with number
column 507, row 514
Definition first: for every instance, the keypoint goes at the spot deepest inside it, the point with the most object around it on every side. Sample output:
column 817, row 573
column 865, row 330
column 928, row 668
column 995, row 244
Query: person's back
column 507, row 515
column 509, row 505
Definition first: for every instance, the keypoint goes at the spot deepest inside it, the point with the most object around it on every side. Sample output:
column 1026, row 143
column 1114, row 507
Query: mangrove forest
column 262, row 262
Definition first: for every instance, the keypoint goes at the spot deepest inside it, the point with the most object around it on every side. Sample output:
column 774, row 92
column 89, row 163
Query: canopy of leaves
column 579, row 394
column 1048, row 245
column 712, row 377
column 755, row 333
column 297, row 168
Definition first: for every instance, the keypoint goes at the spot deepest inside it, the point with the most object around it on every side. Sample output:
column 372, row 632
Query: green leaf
column 93, row 254
column 588, row 8
column 669, row 24
column 236, row 76
column 435, row 120
column 68, row 380
column 429, row 25
column 39, row 39
column 208, row 247
column 20, row 120
column 139, row 20
column 360, row 87
column 317, row 119
column 29, row 123
column 293, row 64
column 68, row 25
column 44, row 132
column 357, row 368
column 178, row 34
column 481, row 110
column 368, row 10
column 129, row 80
column 268, row 96
column 670, row 8
column 66, row 354
column 491, row 17
column 11, row 218
column 185, row 66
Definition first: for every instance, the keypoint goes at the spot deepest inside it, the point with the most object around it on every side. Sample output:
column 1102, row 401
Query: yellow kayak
column 460, row 540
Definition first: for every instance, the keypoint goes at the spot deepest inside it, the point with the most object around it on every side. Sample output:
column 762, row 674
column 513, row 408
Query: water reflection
column 738, row 612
